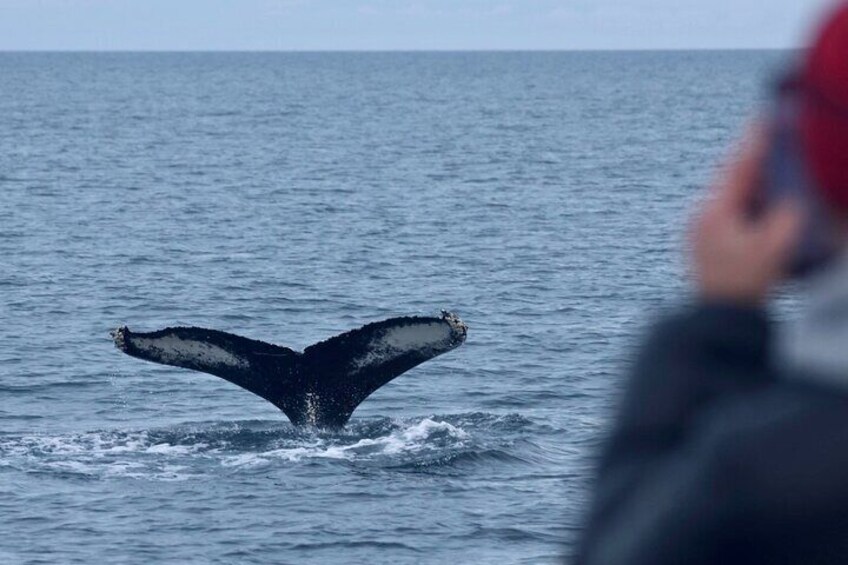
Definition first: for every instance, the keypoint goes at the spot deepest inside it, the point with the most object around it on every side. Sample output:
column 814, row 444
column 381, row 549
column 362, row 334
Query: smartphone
column 787, row 176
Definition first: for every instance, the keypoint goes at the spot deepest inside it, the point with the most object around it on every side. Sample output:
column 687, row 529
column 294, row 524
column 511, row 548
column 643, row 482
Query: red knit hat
column 824, row 114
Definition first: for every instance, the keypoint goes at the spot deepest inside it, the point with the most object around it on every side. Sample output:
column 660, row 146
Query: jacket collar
column 815, row 346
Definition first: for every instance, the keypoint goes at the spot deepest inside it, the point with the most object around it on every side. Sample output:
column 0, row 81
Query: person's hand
column 737, row 258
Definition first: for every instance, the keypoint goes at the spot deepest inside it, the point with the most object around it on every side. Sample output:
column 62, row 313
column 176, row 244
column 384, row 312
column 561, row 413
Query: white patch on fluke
column 395, row 342
column 175, row 351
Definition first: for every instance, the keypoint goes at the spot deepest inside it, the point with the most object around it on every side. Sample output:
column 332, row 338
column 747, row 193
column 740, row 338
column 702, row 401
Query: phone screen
column 787, row 176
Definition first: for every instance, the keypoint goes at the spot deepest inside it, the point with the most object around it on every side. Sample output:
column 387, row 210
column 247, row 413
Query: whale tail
column 321, row 386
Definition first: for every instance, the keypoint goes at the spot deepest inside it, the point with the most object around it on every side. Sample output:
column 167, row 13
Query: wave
column 187, row 451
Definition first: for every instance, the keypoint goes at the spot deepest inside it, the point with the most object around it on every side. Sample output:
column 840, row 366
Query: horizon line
column 437, row 50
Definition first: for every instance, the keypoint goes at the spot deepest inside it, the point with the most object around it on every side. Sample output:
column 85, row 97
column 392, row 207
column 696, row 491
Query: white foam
column 426, row 427
column 144, row 455
column 291, row 454
column 168, row 449
column 412, row 439
column 100, row 454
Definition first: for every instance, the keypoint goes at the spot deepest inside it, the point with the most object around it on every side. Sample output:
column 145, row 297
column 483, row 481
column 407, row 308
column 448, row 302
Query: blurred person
column 731, row 443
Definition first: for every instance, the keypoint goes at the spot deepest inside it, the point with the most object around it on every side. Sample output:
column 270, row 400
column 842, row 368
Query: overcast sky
column 403, row 24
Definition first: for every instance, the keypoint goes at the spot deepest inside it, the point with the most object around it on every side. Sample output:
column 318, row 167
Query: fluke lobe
column 321, row 386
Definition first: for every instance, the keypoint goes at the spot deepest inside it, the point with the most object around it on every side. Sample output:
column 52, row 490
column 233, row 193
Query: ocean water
column 289, row 197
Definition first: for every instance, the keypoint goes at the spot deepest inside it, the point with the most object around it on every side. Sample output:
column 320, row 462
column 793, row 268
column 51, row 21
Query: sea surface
column 288, row 197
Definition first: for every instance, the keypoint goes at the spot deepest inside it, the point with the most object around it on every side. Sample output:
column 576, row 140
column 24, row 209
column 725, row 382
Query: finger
column 743, row 175
column 781, row 231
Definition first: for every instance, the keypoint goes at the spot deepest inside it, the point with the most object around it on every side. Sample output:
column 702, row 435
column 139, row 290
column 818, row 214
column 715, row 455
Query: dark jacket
column 716, row 457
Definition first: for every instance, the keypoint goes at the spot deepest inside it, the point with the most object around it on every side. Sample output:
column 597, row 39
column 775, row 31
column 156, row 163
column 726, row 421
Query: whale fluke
column 321, row 386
